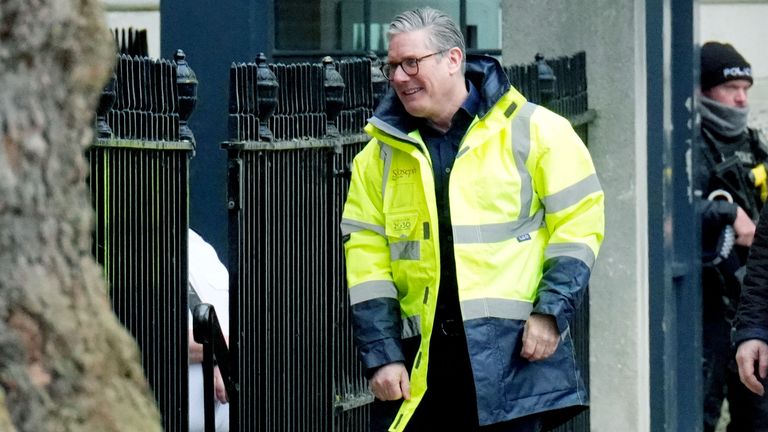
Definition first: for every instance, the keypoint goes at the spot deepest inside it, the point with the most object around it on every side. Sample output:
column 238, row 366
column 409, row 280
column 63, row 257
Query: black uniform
column 752, row 316
column 726, row 167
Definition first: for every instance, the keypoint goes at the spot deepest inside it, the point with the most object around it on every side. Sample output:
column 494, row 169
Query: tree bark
column 66, row 363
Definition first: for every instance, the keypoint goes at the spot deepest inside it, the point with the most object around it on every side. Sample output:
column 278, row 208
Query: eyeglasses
column 410, row 65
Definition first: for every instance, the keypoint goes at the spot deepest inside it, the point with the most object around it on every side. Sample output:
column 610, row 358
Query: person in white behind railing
column 210, row 279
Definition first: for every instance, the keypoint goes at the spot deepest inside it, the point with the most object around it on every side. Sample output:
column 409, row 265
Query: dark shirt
column 443, row 148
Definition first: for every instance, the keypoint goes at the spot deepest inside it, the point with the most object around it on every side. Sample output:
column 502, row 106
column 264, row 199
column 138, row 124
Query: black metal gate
column 288, row 293
column 139, row 189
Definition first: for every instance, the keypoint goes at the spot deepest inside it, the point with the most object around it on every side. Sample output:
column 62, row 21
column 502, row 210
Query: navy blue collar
column 471, row 104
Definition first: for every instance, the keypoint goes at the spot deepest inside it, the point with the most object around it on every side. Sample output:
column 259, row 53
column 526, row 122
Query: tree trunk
column 66, row 363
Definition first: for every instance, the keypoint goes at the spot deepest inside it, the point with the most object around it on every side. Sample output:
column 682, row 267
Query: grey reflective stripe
column 498, row 232
column 580, row 251
column 348, row 226
column 390, row 130
column 411, row 326
column 405, row 250
column 462, row 151
column 495, row 308
column 385, row 154
column 521, row 148
column 572, row 194
column 372, row 290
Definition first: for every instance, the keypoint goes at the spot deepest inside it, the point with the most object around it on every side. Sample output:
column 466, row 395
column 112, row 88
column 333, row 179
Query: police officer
column 733, row 178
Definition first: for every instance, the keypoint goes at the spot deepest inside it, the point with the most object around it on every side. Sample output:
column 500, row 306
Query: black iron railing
column 282, row 102
column 139, row 187
column 287, row 293
column 139, row 190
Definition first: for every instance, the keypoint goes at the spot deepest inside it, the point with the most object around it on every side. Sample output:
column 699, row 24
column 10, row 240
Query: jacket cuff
column 744, row 334
column 561, row 319
column 381, row 352
column 561, row 289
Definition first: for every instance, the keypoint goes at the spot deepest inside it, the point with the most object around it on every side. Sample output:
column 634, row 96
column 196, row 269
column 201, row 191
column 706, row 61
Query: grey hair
column 442, row 31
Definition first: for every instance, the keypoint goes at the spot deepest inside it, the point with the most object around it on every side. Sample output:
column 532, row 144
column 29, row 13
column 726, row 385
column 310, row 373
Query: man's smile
column 411, row 91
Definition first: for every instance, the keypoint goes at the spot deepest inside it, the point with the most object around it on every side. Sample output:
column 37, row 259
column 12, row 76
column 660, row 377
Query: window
column 353, row 27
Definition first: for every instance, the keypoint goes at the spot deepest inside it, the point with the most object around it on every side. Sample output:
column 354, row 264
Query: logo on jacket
column 524, row 237
column 399, row 173
column 746, row 157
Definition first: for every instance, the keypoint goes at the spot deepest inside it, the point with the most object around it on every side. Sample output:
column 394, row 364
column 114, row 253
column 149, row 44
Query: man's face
column 423, row 94
column 731, row 93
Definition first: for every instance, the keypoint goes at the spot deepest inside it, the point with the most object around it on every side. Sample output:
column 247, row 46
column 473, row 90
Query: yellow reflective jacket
column 527, row 220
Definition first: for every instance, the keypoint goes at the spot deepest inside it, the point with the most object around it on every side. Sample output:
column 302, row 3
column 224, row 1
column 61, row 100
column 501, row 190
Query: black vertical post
column 208, row 389
column 673, row 241
column 237, row 259
column 661, row 415
column 686, row 246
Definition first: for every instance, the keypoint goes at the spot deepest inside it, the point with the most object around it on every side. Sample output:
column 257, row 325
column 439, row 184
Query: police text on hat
column 721, row 63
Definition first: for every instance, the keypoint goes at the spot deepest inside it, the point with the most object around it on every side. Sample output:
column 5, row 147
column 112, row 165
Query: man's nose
column 741, row 98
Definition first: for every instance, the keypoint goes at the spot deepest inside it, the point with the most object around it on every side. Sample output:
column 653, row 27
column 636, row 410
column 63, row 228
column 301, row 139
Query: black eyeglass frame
column 388, row 68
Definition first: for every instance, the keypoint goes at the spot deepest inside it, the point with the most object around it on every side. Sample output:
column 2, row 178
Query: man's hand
column 391, row 382
column 219, row 390
column 744, row 228
column 749, row 352
column 540, row 337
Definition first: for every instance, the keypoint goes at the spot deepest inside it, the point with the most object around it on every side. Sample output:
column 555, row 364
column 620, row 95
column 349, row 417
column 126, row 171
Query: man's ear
column 455, row 57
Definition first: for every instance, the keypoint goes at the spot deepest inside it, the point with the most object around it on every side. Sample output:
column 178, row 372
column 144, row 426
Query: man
column 471, row 226
column 210, row 281
column 751, row 327
column 732, row 177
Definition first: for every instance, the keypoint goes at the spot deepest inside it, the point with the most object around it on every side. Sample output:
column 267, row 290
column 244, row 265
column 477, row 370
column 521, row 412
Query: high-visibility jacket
column 527, row 220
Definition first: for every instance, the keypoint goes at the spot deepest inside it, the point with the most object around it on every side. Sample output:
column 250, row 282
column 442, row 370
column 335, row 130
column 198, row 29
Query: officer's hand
column 391, row 382
column 540, row 337
column 749, row 352
column 744, row 228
